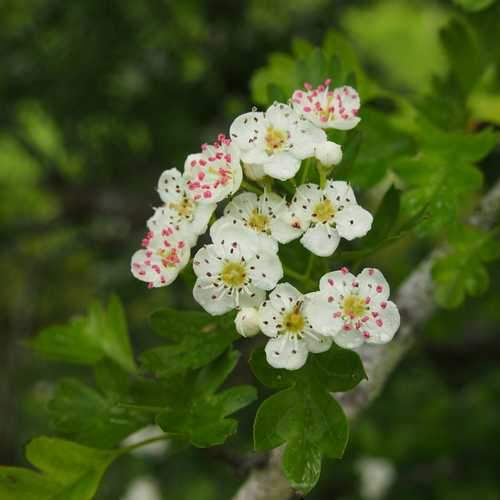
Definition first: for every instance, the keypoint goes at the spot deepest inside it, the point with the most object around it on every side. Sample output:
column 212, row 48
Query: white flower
column 153, row 450
column 234, row 271
column 285, row 319
column 354, row 309
column 262, row 215
column 253, row 171
column 329, row 153
column 179, row 209
column 324, row 216
column 143, row 488
column 377, row 475
column 277, row 139
column 166, row 252
column 247, row 322
column 215, row 173
column 327, row 108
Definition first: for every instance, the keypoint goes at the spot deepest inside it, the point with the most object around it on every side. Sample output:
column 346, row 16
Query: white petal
column 265, row 269
column 246, row 127
column 318, row 343
column 382, row 328
column 171, row 185
column 282, row 166
column 232, row 239
column 149, row 268
column 270, row 318
column 247, row 322
column 254, row 298
column 201, row 217
column 241, row 206
column 346, row 101
column 353, row 222
column 280, row 116
column 255, row 156
column 373, row 284
column 321, row 240
column 337, row 283
column 306, row 197
column 283, row 231
column 328, row 153
column 284, row 295
column 206, row 263
column 305, row 137
column 286, row 352
column 320, row 311
column 215, row 300
column 254, row 171
column 340, row 193
column 349, row 339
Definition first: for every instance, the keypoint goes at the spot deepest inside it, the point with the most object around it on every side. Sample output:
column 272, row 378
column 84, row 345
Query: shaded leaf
column 200, row 414
column 197, row 339
column 68, row 471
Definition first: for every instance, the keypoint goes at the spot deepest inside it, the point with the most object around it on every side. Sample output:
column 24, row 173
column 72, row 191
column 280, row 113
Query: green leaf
column 304, row 415
column 101, row 334
column 81, row 413
column 197, row 339
column 69, row 343
column 200, row 413
column 462, row 271
column 371, row 149
column 474, row 5
column 68, row 471
column 442, row 177
column 385, row 219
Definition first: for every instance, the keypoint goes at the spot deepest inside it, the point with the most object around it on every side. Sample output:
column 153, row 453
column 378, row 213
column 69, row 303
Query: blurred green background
column 97, row 98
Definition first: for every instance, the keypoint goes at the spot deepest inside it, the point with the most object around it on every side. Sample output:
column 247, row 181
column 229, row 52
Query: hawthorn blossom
column 328, row 153
column 179, row 209
column 323, row 216
column 260, row 214
column 166, row 252
column 354, row 309
column 234, row 271
column 215, row 173
column 284, row 317
column 327, row 108
column 277, row 139
column 247, row 322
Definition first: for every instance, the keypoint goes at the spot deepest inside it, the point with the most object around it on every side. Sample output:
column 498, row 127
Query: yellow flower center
column 275, row 140
column 293, row 321
column 184, row 208
column 234, row 274
column 258, row 221
column 354, row 306
column 324, row 211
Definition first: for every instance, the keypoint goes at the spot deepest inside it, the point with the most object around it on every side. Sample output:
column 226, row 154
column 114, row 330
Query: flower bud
column 247, row 322
column 254, row 171
column 328, row 153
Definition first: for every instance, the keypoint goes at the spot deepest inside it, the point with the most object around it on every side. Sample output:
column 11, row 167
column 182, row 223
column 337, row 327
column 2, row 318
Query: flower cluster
column 240, row 268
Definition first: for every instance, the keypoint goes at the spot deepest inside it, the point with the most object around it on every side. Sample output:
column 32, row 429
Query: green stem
column 251, row 187
column 128, row 449
column 310, row 265
column 308, row 282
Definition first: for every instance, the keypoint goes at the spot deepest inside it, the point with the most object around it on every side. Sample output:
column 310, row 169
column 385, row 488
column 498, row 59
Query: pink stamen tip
column 150, row 285
column 379, row 289
column 330, row 281
column 383, row 305
column 337, row 314
column 193, row 163
column 368, row 300
column 307, row 86
column 370, row 272
column 330, row 299
column 379, row 322
column 344, row 270
column 366, row 335
column 328, row 81
column 207, row 194
column 307, row 109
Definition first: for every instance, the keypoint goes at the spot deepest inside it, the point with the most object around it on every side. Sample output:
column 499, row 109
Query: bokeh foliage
column 99, row 97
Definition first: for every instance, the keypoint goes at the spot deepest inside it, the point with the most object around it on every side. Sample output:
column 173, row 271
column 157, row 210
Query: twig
column 416, row 304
